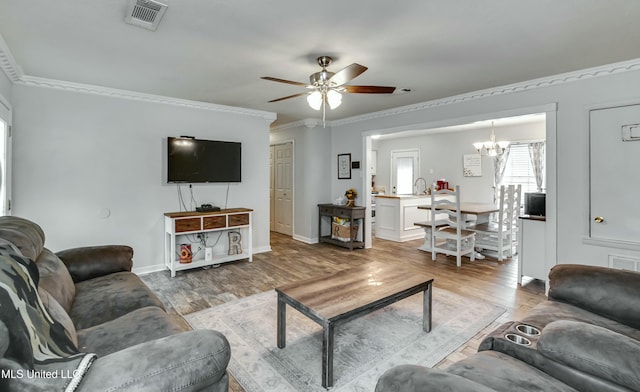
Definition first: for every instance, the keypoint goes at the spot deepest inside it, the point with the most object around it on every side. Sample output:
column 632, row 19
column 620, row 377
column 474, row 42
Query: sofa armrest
column 90, row 262
column 189, row 361
column 593, row 350
column 608, row 292
column 413, row 378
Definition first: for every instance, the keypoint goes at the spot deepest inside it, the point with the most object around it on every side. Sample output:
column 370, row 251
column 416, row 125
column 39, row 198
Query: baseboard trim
column 306, row 240
column 162, row 267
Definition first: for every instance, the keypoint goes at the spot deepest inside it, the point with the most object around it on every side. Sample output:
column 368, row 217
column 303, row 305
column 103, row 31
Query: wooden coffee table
column 334, row 299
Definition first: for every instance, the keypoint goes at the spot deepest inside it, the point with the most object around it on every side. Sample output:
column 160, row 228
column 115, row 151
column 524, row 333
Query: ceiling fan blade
column 346, row 74
column 283, row 81
column 287, row 97
column 369, row 89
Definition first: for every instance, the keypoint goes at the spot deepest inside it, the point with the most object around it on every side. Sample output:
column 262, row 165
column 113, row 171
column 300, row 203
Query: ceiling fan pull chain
column 324, row 112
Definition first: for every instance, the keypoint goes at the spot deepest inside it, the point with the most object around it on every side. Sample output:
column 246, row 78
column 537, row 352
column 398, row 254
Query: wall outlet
column 208, row 254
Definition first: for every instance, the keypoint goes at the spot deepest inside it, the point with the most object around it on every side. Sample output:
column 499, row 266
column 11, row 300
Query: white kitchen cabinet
column 532, row 248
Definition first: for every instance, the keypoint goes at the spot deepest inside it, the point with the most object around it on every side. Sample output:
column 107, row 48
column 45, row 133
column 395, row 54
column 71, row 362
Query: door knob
column 598, row 219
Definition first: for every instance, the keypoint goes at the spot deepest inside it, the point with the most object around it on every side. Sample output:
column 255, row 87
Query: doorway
column 281, row 188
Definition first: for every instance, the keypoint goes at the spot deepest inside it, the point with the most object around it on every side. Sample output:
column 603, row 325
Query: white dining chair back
column 452, row 238
column 500, row 235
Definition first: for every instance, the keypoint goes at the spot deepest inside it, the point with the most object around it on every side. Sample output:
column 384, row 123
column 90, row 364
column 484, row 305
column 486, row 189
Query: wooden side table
column 354, row 214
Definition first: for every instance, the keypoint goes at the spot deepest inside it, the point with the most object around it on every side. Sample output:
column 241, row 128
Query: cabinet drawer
column 191, row 224
column 214, row 222
column 342, row 212
column 238, row 220
column 326, row 210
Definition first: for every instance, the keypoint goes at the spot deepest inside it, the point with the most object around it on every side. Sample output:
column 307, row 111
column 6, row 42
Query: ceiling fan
column 328, row 86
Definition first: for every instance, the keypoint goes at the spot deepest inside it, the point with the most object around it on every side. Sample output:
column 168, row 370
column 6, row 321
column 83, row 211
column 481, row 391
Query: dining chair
column 452, row 239
column 500, row 235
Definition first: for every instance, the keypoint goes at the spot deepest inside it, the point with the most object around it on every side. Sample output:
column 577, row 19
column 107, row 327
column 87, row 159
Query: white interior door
column 283, row 188
column 614, row 163
column 404, row 171
column 272, row 201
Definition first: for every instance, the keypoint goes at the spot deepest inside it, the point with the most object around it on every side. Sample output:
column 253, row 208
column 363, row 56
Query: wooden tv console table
column 189, row 227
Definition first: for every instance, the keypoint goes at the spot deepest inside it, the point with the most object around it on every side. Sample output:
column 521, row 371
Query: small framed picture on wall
column 344, row 166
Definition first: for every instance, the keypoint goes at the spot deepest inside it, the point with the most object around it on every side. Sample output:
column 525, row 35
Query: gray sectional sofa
column 586, row 337
column 80, row 320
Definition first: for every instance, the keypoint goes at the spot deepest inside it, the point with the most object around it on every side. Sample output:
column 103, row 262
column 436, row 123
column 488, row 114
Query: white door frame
column 5, row 171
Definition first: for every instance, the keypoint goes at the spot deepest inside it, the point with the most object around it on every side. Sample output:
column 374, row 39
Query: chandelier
column 491, row 148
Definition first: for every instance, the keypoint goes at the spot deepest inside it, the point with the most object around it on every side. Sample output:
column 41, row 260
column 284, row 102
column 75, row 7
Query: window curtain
column 499, row 164
column 537, row 154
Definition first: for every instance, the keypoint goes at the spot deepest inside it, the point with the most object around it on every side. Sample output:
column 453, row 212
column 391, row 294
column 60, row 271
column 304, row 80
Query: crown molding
column 13, row 71
column 568, row 77
column 8, row 64
column 308, row 123
column 33, row 81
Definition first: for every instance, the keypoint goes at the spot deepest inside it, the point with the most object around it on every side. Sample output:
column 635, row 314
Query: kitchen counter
column 396, row 215
column 403, row 196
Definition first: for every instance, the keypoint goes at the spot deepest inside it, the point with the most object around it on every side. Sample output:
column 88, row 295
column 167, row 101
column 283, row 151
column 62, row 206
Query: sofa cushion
column 58, row 313
column 549, row 311
column 139, row 326
column 608, row 292
column 55, row 278
column 594, row 350
column 24, row 234
column 190, row 361
column 504, row 373
column 108, row 297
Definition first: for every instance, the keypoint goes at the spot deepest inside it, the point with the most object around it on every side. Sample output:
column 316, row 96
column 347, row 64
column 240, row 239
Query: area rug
column 364, row 348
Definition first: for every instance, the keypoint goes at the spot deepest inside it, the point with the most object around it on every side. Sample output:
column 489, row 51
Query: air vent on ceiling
column 145, row 13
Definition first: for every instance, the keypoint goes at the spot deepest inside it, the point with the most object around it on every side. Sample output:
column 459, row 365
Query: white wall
column 443, row 153
column 78, row 155
column 574, row 98
column 5, row 87
column 312, row 183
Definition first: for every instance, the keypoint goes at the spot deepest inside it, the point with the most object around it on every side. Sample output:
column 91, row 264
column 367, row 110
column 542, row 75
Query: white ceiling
column 216, row 50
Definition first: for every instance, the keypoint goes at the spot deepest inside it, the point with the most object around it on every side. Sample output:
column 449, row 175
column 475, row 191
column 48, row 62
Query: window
column 519, row 169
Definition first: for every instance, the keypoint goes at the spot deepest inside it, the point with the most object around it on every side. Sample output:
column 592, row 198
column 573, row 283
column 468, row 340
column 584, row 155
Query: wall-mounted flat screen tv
column 192, row 160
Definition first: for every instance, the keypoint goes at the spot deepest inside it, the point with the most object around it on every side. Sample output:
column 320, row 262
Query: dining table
column 482, row 212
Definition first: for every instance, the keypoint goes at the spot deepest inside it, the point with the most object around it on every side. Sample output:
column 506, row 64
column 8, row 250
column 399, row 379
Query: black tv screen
column 195, row 161
column 535, row 203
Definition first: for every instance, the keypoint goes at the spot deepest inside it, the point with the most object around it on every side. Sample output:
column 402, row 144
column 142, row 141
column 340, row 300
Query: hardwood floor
column 292, row 260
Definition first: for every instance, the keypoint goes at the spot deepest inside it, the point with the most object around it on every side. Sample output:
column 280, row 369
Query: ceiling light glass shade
column 334, row 98
column 315, row 100
column 491, row 147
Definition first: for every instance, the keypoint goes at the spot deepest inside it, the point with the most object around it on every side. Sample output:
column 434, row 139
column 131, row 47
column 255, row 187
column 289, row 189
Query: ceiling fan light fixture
column 334, row 99
column 315, row 100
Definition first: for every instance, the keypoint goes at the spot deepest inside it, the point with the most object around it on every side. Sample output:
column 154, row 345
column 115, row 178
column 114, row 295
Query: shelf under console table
column 354, row 214
column 191, row 227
